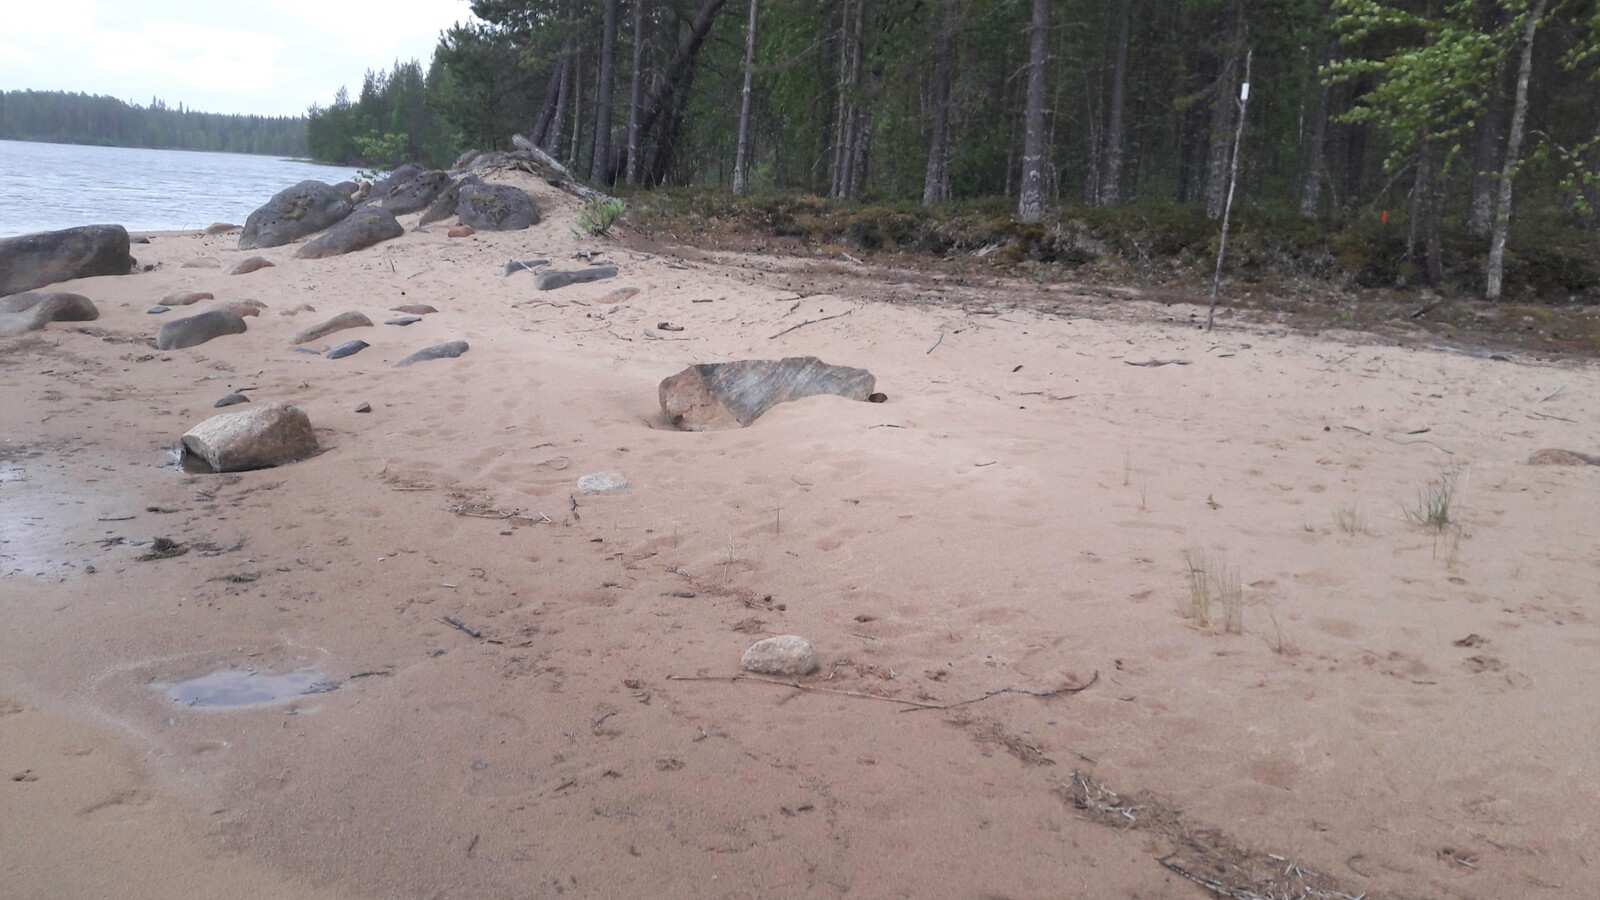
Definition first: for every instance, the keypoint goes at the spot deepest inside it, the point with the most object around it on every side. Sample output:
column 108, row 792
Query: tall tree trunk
column 547, row 110
column 635, row 91
column 671, row 92
column 552, row 143
column 1314, row 170
column 740, row 161
column 1485, row 159
column 1222, row 113
column 1519, row 115
column 577, row 108
column 936, row 181
column 1110, row 188
column 600, row 167
column 1030, row 195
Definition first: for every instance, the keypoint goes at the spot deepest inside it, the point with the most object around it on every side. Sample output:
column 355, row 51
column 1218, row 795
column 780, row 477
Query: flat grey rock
column 716, row 396
column 348, row 348
column 157, row 310
column 786, row 654
column 192, row 331
column 403, row 320
column 364, row 407
column 230, row 400
column 416, row 194
column 602, row 482
column 337, row 323
column 551, row 279
column 256, row 438
column 449, row 350
column 414, row 309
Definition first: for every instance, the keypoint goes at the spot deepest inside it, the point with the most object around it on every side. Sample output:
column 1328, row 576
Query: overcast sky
column 269, row 58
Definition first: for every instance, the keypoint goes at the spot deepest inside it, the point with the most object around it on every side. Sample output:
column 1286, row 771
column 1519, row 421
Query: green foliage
column 596, row 217
column 391, row 122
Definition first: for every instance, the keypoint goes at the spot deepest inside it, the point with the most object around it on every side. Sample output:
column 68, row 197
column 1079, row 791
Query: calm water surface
column 48, row 186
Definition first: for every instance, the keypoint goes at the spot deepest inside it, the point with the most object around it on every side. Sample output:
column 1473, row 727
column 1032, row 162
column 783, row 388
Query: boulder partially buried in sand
column 496, row 207
column 192, row 331
column 360, row 230
column 256, row 438
column 293, row 213
column 450, row 350
column 1554, row 457
column 716, row 396
column 337, row 323
column 250, row 264
column 35, row 260
column 31, row 310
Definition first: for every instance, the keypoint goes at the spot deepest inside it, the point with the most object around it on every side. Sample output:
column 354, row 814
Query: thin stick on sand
column 811, row 322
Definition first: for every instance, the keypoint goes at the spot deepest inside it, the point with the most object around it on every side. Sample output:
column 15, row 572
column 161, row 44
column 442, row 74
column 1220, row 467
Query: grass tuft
column 1214, row 588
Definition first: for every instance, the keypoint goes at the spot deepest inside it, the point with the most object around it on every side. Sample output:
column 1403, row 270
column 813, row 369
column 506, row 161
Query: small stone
column 600, row 482
column 250, row 264
column 191, row 331
column 786, row 654
column 878, row 397
column 185, row 298
column 216, row 228
column 402, row 320
column 414, row 309
column 230, row 400
column 157, row 310
column 461, row 231
column 365, row 407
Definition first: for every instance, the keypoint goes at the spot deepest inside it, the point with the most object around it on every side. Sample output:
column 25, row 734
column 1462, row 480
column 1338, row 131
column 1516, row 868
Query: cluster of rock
column 358, row 216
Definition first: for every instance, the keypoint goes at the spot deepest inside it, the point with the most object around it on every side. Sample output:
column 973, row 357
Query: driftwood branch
column 1067, row 689
column 457, row 623
column 569, row 182
column 803, row 687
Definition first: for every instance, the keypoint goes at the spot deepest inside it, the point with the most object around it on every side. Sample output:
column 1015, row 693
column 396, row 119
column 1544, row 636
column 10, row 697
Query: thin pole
column 1233, row 179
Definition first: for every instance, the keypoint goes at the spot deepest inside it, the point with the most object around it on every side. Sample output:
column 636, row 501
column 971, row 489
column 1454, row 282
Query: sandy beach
column 1407, row 710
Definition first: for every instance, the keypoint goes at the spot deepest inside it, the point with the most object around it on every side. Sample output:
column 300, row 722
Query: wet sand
column 1408, row 711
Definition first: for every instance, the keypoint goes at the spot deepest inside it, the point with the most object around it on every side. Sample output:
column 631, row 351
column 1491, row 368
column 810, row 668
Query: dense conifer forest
column 63, row 118
column 1433, row 124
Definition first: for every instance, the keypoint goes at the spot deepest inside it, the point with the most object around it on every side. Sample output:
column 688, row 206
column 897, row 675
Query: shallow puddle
column 236, row 688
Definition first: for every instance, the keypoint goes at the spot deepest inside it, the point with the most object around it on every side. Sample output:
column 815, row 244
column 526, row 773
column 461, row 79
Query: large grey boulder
column 32, row 310
column 496, row 207
column 717, row 396
column 357, row 231
column 444, row 205
column 35, row 260
column 337, row 323
column 256, row 438
column 293, row 213
column 192, row 331
column 786, row 654
column 417, row 193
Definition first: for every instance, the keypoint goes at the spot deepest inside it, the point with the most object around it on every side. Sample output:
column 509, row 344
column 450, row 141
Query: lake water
column 44, row 187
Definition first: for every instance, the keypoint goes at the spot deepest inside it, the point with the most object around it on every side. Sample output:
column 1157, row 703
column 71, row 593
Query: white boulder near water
column 786, row 654
column 257, row 438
